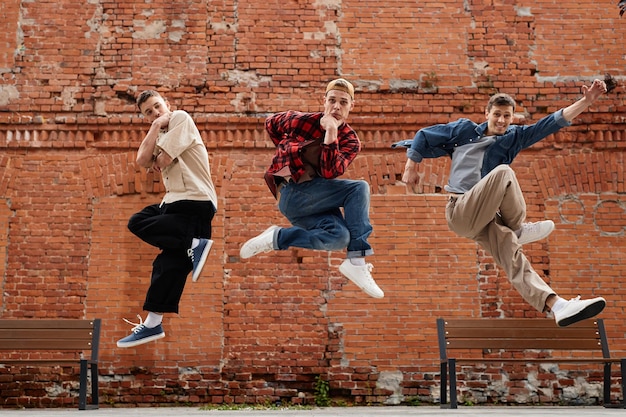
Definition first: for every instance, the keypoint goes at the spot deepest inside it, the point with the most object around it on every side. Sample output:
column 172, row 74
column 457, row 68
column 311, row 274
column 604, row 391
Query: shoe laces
column 370, row 282
column 368, row 270
column 575, row 298
column 530, row 227
column 136, row 326
column 190, row 254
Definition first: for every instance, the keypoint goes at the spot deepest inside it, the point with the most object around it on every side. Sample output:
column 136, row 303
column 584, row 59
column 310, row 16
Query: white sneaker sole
column 141, row 341
column 588, row 312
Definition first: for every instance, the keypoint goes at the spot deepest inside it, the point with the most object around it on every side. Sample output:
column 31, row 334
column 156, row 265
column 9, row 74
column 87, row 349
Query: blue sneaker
column 140, row 335
column 198, row 256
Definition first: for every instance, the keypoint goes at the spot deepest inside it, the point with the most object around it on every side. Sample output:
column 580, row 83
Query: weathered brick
column 68, row 183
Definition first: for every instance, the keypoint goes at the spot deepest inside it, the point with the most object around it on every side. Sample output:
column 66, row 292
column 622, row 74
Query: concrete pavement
column 389, row 411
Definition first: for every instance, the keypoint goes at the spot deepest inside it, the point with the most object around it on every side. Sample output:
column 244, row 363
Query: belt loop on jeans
column 280, row 186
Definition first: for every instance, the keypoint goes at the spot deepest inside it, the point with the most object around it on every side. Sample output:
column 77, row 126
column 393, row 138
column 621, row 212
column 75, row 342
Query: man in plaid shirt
column 312, row 150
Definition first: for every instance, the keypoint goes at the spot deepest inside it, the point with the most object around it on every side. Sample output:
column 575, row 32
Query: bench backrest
column 520, row 334
column 54, row 335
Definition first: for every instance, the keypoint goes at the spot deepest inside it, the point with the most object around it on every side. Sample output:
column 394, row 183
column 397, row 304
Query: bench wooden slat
column 46, row 334
column 519, row 343
column 528, row 323
column 45, row 324
column 521, row 332
column 67, row 334
column 45, row 344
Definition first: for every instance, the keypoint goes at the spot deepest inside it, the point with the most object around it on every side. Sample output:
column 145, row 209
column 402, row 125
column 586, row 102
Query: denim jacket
column 439, row 140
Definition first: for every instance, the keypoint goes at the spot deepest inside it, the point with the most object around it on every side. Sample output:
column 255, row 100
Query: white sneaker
column 262, row 243
column 532, row 232
column 576, row 310
column 362, row 277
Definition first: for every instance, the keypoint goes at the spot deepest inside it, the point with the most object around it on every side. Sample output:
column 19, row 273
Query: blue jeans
column 314, row 210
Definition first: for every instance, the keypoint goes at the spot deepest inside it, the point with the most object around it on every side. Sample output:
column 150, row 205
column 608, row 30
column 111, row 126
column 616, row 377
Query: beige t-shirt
column 188, row 177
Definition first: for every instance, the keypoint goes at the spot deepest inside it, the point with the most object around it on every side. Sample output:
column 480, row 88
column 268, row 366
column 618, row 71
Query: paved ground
column 499, row 411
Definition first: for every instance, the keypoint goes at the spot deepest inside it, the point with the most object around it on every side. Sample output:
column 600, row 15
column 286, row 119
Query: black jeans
column 171, row 228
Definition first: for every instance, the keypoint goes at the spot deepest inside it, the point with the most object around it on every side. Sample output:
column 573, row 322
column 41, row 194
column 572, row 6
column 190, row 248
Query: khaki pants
column 489, row 214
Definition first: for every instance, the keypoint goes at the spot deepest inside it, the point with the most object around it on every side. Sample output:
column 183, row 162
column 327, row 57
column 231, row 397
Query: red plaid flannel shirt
column 291, row 131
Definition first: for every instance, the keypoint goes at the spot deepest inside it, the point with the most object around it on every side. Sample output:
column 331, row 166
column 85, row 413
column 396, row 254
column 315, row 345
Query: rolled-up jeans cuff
column 359, row 253
column 275, row 239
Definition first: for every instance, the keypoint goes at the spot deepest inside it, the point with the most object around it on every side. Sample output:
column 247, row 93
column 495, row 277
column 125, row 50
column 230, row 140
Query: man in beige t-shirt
column 181, row 224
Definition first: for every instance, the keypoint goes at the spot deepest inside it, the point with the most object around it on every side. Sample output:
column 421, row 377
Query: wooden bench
column 487, row 340
column 30, row 337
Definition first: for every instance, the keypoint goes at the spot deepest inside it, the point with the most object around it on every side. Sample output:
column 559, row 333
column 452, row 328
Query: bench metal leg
column 452, row 364
column 82, row 390
column 95, row 401
column 443, row 393
column 622, row 366
column 607, row 384
column 88, row 368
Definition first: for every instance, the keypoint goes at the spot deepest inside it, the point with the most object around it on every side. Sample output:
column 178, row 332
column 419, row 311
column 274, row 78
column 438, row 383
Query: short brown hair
column 500, row 99
column 145, row 96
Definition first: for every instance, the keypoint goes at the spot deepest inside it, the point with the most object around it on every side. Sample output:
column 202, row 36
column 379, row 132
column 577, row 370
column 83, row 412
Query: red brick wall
column 265, row 328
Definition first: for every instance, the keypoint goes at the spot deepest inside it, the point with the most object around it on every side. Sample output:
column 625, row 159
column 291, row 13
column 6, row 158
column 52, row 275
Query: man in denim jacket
column 486, row 203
